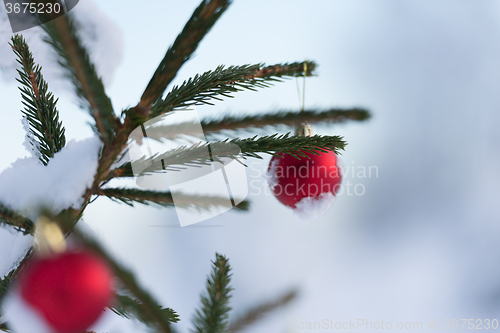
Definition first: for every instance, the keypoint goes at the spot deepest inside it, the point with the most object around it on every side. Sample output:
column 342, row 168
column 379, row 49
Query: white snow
column 21, row 316
column 270, row 175
column 27, row 185
column 340, row 166
column 13, row 247
column 310, row 208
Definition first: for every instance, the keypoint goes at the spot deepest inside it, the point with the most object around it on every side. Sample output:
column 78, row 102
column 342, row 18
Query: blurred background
column 419, row 244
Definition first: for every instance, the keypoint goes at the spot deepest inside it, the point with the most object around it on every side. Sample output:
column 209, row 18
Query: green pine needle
column 213, row 315
column 127, row 307
column 253, row 315
column 19, row 222
column 275, row 144
column 200, row 23
column 151, row 311
column 222, row 82
column 45, row 131
column 286, row 118
column 131, row 196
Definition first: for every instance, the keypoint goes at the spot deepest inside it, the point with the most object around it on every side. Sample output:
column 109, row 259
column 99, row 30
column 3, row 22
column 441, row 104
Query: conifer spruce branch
column 5, row 283
column 289, row 144
column 200, row 23
column 62, row 36
column 213, row 315
column 21, row 223
column 131, row 196
column 44, row 128
column 250, row 147
column 282, row 118
column 287, row 118
column 127, row 307
column 123, row 171
column 212, row 85
column 18, row 271
column 152, row 312
column 257, row 313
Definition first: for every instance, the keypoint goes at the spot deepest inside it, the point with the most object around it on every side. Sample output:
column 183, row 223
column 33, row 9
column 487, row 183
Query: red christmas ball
column 307, row 181
column 69, row 290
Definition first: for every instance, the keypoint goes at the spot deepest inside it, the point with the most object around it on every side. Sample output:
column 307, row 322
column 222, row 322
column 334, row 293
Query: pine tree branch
column 257, row 313
column 123, row 171
column 212, row 85
column 62, row 36
column 44, row 128
column 131, row 196
column 185, row 44
column 5, row 283
column 127, row 307
column 287, row 118
column 213, row 315
column 288, row 144
column 151, row 311
column 19, row 222
column 202, row 20
column 242, row 123
column 250, row 147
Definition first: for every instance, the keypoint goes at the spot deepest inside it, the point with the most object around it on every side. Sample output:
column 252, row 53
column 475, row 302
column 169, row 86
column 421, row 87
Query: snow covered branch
column 21, row 223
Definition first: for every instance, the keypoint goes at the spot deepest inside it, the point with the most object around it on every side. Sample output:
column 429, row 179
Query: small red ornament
column 70, row 290
column 305, row 181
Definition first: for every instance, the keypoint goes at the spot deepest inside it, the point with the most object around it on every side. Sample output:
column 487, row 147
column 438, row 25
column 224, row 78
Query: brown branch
column 199, row 202
column 126, row 277
column 75, row 58
column 255, row 314
column 287, row 118
column 278, row 70
column 73, row 54
column 12, row 218
column 195, row 29
column 34, row 85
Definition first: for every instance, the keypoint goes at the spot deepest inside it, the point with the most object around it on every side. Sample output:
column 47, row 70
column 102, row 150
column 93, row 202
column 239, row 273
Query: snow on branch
column 27, row 186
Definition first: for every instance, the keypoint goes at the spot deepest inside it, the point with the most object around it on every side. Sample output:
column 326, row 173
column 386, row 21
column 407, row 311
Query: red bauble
column 297, row 181
column 69, row 290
